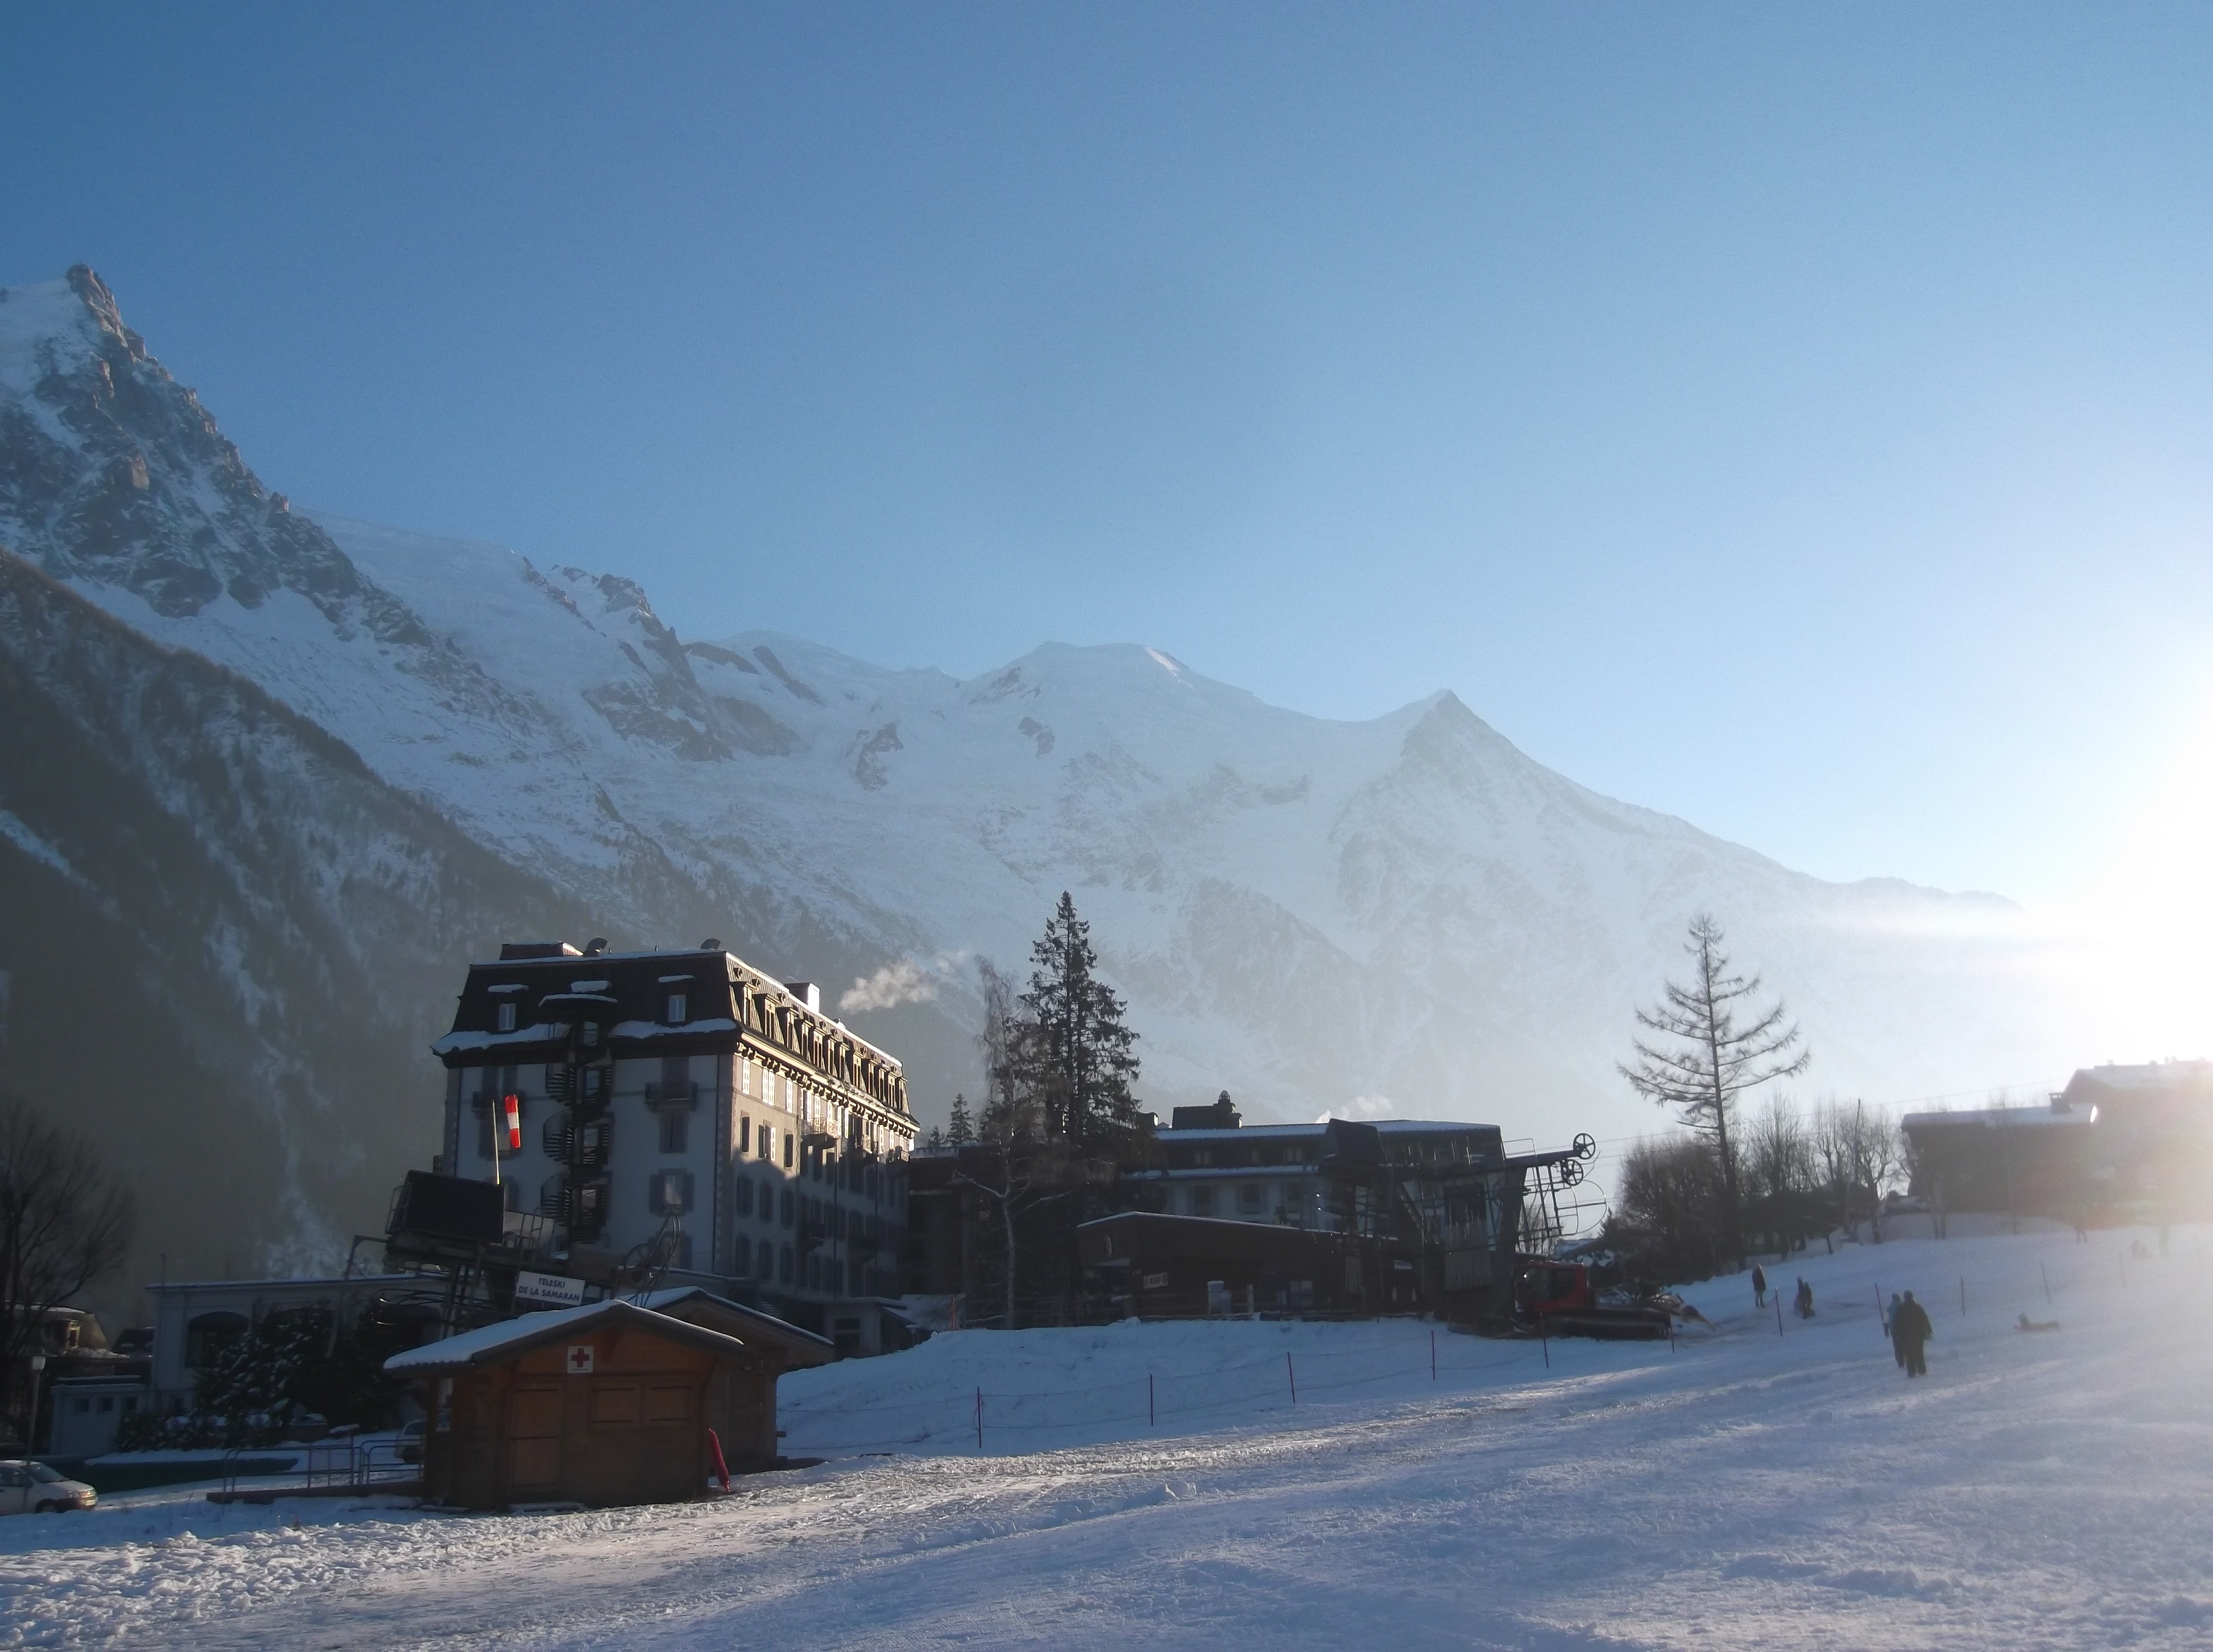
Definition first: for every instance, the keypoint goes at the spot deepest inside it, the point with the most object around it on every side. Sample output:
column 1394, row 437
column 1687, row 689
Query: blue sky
column 1795, row 418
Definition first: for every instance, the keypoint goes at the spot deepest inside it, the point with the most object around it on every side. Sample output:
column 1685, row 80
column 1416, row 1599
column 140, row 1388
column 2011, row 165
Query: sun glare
column 2147, row 916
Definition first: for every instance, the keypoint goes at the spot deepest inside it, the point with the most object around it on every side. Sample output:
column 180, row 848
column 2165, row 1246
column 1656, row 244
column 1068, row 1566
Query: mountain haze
column 1405, row 912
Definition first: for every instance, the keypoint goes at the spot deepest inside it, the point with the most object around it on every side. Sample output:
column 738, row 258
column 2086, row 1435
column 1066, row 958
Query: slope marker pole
column 1150, row 1415
column 979, row 1419
column 1433, row 1356
column 1291, row 1374
column 2046, row 1272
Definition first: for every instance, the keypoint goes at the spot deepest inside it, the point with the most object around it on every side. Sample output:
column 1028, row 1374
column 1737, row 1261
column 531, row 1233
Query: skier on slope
column 1758, row 1286
column 1911, row 1329
column 1805, row 1304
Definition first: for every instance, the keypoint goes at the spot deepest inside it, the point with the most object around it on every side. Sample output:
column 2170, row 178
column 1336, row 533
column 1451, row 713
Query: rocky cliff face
column 222, row 938
column 1318, row 916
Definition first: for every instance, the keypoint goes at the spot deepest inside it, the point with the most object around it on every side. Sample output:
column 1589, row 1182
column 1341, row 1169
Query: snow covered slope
column 1405, row 912
column 1744, row 1489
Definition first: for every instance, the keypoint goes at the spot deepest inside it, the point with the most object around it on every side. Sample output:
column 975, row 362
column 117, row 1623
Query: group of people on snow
column 1905, row 1319
column 1801, row 1303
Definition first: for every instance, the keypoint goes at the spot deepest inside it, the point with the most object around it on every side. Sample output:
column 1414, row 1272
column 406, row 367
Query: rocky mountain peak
column 100, row 302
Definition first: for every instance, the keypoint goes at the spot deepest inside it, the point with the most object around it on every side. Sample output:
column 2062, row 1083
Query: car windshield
column 41, row 1472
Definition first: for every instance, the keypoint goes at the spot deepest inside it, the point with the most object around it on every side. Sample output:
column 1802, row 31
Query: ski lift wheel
column 1586, row 1146
column 1571, row 1173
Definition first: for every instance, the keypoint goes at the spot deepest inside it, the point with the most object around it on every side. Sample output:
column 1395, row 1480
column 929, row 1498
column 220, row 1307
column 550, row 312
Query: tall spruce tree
column 1077, row 1059
column 959, row 1130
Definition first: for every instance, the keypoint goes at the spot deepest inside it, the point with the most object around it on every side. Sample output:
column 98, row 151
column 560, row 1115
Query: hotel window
column 745, row 1134
column 1253, row 1198
column 741, row 1256
column 675, row 1130
column 783, row 1263
column 676, row 1007
column 789, row 1206
column 507, row 1015
column 669, row 1193
column 767, row 1143
column 787, row 1151
column 1202, row 1201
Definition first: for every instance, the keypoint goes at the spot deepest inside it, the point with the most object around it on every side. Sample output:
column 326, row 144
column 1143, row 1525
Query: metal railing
column 325, row 1467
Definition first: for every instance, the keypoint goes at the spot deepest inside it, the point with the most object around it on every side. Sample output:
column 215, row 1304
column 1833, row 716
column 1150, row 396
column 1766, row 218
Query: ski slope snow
column 1750, row 1487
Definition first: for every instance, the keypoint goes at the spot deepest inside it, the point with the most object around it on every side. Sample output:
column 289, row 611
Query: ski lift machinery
column 1558, row 1202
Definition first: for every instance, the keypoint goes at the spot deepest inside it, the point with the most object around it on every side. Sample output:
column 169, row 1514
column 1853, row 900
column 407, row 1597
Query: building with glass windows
column 690, row 1110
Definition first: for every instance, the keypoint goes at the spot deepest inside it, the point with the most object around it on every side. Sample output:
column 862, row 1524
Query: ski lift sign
column 549, row 1289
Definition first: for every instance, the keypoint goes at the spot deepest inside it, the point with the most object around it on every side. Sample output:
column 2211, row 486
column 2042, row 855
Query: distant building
column 2025, row 1161
column 1433, row 1208
column 2154, row 1136
column 194, row 1320
column 688, row 1104
column 83, row 1388
column 1342, row 1217
column 2119, row 1143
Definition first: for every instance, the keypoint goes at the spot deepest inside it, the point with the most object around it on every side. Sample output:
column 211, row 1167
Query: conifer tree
column 961, row 1130
column 1077, row 1061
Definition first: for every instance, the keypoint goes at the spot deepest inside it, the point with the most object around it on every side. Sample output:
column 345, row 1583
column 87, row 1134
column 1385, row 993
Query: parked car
column 381, row 1450
column 27, row 1487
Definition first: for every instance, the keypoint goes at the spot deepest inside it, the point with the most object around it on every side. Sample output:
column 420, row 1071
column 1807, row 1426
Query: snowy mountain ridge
column 1307, row 912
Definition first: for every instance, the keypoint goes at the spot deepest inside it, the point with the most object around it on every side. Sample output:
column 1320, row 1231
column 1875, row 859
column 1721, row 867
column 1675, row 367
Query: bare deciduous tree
column 64, row 1221
column 1711, row 1060
column 1859, row 1150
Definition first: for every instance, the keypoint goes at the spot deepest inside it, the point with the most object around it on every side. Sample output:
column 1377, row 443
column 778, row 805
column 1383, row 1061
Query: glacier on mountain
column 1310, row 913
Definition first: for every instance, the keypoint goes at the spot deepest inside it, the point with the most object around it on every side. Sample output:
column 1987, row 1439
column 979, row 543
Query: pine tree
column 961, row 1130
column 1078, row 1059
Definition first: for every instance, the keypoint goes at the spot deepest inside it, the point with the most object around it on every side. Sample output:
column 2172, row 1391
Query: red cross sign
column 580, row 1359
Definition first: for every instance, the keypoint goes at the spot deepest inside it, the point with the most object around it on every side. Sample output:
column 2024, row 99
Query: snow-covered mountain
column 1316, row 915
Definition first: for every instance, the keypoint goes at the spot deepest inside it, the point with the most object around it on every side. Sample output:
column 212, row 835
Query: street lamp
column 31, row 1426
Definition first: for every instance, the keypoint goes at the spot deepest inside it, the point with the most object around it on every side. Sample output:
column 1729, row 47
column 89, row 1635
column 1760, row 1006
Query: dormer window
column 677, row 1006
column 506, row 1014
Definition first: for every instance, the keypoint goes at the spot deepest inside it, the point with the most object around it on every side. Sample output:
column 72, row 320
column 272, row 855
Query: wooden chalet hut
column 602, row 1404
column 741, row 1399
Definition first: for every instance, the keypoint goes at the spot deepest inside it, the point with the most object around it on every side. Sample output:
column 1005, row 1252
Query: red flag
column 512, row 1106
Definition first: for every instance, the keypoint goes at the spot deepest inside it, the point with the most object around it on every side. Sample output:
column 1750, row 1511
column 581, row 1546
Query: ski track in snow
column 1747, row 1490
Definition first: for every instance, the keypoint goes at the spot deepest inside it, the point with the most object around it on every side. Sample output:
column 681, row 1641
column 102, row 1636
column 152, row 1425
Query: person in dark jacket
column 1911, row 1328
column 1805, row 1303
column 1758, row 1286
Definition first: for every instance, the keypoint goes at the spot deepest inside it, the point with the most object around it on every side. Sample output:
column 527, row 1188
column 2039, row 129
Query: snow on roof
column 2009, row 1117
column 489, row 1343
column 1290, row 1132
column 671, row 1297
column 2148, row 1076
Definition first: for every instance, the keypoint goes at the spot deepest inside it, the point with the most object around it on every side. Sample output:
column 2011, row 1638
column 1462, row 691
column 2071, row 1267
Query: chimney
column 806, row 993
column 515, row 950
